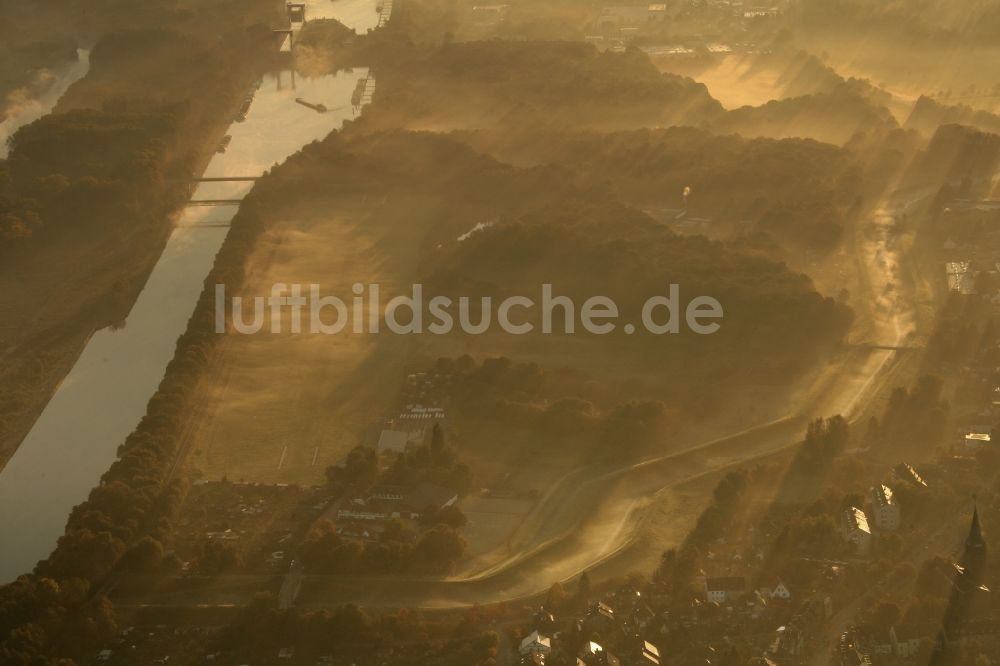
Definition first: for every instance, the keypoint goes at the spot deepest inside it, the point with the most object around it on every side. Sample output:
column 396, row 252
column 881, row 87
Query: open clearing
column 281, row 407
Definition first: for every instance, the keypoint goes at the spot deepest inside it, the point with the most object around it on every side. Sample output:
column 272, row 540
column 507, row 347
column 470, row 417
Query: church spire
column 975, row 538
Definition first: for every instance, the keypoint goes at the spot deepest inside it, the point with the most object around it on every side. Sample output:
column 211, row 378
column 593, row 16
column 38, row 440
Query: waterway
column 101, row 400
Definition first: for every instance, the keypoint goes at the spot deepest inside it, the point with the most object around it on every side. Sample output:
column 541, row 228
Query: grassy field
column 281, row 407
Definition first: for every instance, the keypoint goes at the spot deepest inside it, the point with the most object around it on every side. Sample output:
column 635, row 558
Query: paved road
column 290, row 586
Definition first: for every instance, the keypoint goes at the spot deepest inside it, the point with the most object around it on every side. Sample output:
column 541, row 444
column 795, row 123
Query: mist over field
column 548, row 332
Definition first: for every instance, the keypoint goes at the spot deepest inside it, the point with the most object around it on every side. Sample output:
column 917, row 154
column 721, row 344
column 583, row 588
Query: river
column 101, row 400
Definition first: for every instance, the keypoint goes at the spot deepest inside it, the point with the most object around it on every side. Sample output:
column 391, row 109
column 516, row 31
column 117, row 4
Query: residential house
column 877, row 642
column 593, row 654
column 649, row 655
column 907, row 638
column 600, row 619
column 727, row 588
column 885, row 508
column 909, row 475
column 535, row 643
column 854, row 528
column 774, row 588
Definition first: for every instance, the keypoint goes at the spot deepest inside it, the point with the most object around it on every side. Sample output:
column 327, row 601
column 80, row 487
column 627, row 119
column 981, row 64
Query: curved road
column 589, row 519
column 596, row 512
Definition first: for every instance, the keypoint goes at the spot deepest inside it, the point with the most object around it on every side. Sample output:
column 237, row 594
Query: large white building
column 855, row 529
column 885, row 508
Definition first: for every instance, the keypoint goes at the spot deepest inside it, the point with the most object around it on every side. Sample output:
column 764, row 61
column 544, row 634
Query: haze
column 216, row 447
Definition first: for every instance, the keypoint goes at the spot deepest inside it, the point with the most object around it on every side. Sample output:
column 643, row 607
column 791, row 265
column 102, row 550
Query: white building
column 856, row 530
column 775, row 588
column 885, row 508
column 535, row 643
column 976, row 440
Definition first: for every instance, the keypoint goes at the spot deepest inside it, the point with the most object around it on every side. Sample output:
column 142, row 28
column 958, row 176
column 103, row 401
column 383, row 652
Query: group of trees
column 69, row 171
column 553, row 83
column 915, row 421
column 769, row 312
column 398, row 550
column 118, row 164
column 435, row 461
column 964, row 332
column 547, row 400
column 825, row 439
column 956, row 152
column 833, row 117
column 40, row 616
column 351, row 632
column 929, row 114
column 726, row 516
column 812, row 533
column 524, row 394
column 799, row 191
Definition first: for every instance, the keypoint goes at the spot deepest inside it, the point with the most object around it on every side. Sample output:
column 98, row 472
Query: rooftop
column 726, row 584
column 882, row 496
column 856, row 519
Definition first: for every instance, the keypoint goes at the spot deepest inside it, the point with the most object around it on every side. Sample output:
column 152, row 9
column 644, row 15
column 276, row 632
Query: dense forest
column 801, row 192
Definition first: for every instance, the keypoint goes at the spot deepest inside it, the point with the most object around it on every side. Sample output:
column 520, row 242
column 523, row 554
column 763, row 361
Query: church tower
column 973, row 563
column 968, row 595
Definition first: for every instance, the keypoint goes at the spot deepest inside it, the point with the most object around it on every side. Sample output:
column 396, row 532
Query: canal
column 101, row 400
